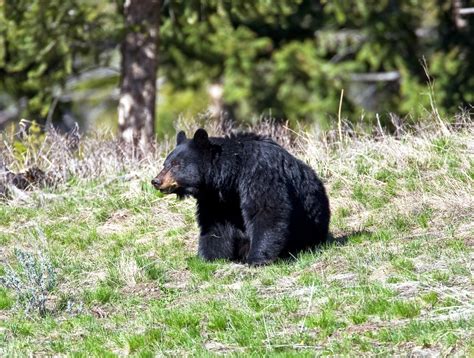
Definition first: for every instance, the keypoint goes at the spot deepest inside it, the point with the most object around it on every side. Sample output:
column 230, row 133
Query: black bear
column 255, row 201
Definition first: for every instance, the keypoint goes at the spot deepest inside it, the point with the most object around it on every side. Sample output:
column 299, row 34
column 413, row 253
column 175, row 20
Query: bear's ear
column 201, row 138
column 180, row 138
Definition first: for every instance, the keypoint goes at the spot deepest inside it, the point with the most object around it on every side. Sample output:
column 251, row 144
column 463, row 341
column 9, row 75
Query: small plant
column 32, row 282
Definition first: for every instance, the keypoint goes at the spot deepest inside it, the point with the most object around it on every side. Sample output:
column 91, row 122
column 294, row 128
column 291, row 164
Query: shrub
column 33, row 282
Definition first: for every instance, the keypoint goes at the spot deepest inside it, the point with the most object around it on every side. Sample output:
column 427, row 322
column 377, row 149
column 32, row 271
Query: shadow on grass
column 354, row 236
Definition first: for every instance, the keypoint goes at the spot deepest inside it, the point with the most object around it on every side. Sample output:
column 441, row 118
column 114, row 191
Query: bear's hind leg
column 224, row 241
column 267, row 241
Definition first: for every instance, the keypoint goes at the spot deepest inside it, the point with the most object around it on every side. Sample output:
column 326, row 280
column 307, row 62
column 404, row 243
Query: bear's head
column 182, row 172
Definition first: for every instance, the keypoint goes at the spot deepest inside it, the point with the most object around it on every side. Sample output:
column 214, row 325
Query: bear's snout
column 156, row 182
column 165, row 182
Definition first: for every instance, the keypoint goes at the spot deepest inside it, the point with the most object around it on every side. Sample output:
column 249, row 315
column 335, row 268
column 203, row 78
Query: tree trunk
column 136, row 110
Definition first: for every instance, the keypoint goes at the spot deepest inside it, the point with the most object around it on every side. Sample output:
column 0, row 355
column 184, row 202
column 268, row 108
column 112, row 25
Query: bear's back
column 243, row 138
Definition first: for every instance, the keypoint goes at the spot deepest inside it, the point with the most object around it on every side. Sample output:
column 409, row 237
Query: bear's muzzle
column 165, row 183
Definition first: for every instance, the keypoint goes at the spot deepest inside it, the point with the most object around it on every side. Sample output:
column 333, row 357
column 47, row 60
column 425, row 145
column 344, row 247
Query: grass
column 396, row 280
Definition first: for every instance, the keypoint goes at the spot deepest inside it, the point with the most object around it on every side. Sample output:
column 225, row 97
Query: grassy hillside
column 396, row 278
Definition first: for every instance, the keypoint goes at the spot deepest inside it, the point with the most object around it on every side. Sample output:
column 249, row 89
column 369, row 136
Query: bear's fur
column 255, row 201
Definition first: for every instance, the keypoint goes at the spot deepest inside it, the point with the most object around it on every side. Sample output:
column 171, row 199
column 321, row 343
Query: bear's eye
column 174, row 163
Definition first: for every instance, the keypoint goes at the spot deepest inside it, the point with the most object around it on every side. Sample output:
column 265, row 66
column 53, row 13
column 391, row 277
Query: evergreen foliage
column 288, row 59
column 44, row 43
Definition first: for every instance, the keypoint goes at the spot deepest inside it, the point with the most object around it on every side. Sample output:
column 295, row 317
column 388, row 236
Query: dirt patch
column 380, row 274
column 119, row 221
column 93, row 278
column 406, row 289
column 148, row 290
column 100, row 312
column 362, row 328
column 329, row 265
column 178, row 279
column 221, row 348
column 235, row 270
column 423, row 352
column 345, row 278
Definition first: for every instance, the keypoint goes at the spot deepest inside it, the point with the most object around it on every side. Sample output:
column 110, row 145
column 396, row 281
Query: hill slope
column 396, row 279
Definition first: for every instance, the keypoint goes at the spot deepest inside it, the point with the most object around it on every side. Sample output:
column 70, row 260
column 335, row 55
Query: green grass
column 6, row 301
column 395, row 279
